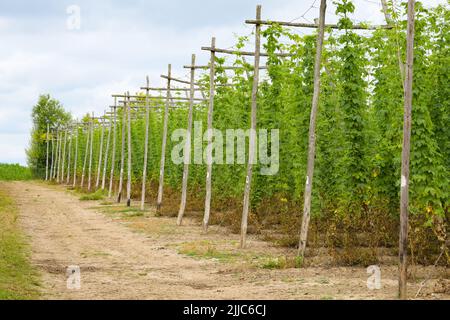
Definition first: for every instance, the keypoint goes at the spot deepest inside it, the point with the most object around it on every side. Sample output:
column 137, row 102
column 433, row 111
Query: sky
column 115, row 46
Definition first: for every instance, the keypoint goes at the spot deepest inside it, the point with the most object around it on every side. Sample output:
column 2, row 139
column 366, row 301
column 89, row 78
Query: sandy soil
column 139, row 258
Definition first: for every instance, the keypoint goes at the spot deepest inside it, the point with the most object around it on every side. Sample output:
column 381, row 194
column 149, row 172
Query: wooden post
column 252, row 139
column 100, row 154
column 164, row 141
column 187, row 146
column 53, row 151
column 113, row 153
column 75, row 158
column 64, row 156
column 90, row 153
column 406, row 147
column 88, row 134
column 69, row 156
column 55, row 167
column 59, row 156
column 122, row 153
column 46, row 161
column 129, row 152
column 212, row 65
column 312, row 133
column 144, row 170
column 105, row 165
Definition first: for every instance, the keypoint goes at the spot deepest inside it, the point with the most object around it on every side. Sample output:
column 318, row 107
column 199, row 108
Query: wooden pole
column 122, row 154
column 83, row 172
column 313, row 25
column 90, row 153
column 105, row 165
column 252, row 139
column 59, row 156
column 164, row 141
column 187, row 146
column 246, row 53
column 100, row 154
column 212, row 71
column 69, row 156
column 144, row 170
column 406, row 147
column 46, row 161
column 75, row 158
column 312, row 133
column 129, row 153
column 113, row 153
column 53, row 151
column 55, row 174
column 64, row 156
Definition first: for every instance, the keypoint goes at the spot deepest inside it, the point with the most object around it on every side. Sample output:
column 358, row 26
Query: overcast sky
column 117, row 45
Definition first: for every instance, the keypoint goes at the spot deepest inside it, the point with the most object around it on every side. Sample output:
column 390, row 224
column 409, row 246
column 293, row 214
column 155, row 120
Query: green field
column 18, row 280
column 11, row 172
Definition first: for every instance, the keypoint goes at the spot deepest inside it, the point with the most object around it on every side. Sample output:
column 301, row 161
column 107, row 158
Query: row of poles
column 58, row 169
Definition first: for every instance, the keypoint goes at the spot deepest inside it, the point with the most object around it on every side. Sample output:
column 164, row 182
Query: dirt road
column 140, row 258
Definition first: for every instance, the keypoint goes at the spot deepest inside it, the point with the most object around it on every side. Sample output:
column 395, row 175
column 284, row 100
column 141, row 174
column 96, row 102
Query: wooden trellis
column 60, row 140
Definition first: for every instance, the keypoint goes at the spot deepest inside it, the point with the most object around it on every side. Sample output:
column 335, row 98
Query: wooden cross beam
column 150, row 97
column 171, row 89
column 187, row 82
column 171, row 98
column 315, row 26
column 222, row 67
column 244, row 53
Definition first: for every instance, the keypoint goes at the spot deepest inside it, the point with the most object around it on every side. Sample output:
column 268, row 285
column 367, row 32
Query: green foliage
column 14, row 172
column 358, row 132
column 49, row 112
column 97, row 195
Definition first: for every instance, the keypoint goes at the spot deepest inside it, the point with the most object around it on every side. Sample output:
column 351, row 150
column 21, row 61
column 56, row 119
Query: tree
column 46, row 111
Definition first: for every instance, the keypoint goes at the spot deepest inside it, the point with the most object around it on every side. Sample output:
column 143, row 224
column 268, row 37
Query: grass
column 18, row 280
column 10, row 172
column 97, row 195
column 282, row 262
column 227, row 252
column 207, row 250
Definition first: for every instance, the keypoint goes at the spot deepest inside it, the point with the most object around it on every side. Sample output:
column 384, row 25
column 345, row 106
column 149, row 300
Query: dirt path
column 119, row 263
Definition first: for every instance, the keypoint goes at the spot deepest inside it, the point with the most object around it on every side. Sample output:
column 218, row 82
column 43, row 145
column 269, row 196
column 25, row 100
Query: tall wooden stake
column 129, row 151
column 406, row 147
column 53, row 151
column 90, row 153
column 100, row 154
column 64, row 156
column 83, row 172
column 113, row 152
column 164, row 142
column 105, row 165
column 46, row 161
column 69, row 156
column 122, row 153
column 252, row 140
column 312, row 133
column 144, row 170
column 55, row 167
column 59, row 155
column 188, row 145
column 75, row 157
column 212, row 65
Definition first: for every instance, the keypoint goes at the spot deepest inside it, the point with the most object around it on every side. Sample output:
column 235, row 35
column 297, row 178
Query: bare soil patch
column 124, row 254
